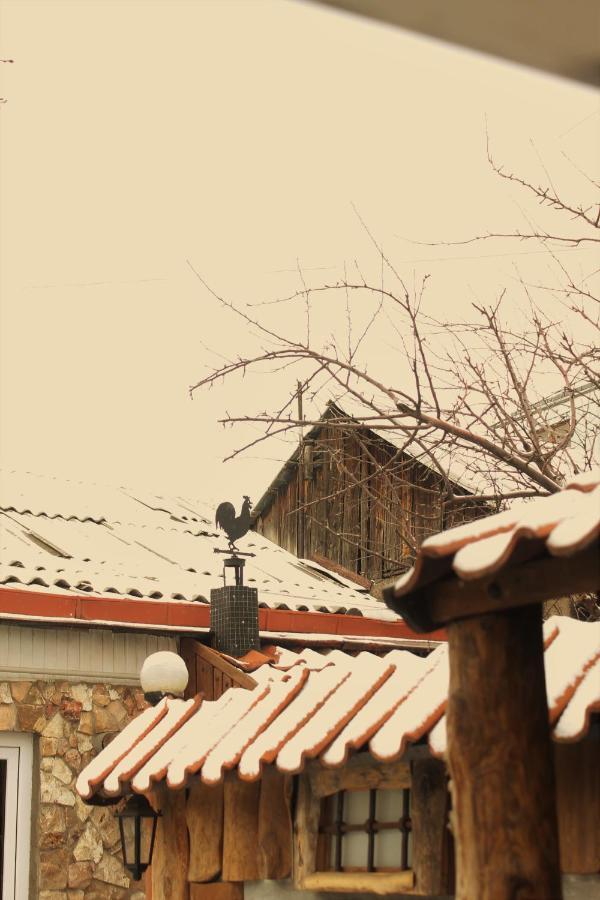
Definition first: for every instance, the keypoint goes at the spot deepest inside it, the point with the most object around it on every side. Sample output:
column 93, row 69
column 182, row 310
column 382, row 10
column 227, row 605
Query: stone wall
column 76, row 848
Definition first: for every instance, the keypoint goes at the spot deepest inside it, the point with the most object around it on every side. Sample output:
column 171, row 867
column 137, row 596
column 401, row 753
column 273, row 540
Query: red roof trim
column 173, row 613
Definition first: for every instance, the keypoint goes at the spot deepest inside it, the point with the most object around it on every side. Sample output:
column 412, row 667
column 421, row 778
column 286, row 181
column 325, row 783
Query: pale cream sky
column 139, row 133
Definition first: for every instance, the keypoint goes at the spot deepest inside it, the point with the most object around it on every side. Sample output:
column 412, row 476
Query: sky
column 239, row 136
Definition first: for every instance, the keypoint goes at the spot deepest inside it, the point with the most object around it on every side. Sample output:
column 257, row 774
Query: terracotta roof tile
column 305, row 711
column 564, row 523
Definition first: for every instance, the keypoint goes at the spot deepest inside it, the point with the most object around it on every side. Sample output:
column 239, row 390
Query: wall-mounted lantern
column 137, row 824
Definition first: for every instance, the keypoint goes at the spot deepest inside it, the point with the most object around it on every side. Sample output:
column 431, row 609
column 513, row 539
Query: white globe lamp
column 163, row 674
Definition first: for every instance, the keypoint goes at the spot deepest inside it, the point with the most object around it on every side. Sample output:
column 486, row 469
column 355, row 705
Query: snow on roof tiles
column 302, row 712
column 111, row 542
column 567, row 522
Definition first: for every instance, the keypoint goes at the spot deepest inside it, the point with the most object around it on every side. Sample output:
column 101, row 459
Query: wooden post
column 171, row 850
column 500, row 759
column 204, row 816
column 429, row 817
column 241, row 858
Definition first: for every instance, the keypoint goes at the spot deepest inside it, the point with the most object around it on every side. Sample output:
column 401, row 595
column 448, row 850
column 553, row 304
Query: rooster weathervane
column 235, row 527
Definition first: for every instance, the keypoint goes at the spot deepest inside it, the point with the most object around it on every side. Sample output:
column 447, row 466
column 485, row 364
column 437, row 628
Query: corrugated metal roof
column 325, row 706
column 67, row 536
column 566, row 523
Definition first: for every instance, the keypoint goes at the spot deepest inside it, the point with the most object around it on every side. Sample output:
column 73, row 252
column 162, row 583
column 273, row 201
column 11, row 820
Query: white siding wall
column 87, row 654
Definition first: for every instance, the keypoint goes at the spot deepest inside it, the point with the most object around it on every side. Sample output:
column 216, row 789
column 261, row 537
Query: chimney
column 234, row 614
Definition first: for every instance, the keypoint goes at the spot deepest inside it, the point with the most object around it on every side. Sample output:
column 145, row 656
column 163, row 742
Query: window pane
column 388, row 850
column 389, row 806
column 354, row 850
column 356, row 807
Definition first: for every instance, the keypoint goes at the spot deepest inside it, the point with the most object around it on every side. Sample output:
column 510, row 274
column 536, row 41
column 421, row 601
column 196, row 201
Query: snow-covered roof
column 72, row 538
column 310, row 705
column 566, row 522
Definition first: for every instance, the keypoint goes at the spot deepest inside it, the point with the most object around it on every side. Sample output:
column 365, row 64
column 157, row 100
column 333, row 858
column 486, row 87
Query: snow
column 569, row 520
column 201, row 739
column 416, row 715
column 574, row 720
column 573, row 651
column 315, row 692
column 229, row 750
column 438, row 738
column 177, row 712
column 484, row 556
column 585, row 480
column 367, row 672
column 408, row 672
column 120, row 745
column 156, row 767
column 327, row 706
column 576, row 532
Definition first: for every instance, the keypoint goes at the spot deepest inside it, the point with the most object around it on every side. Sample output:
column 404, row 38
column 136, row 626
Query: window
column 16, row 769
column 365, row 831
column 352, row 828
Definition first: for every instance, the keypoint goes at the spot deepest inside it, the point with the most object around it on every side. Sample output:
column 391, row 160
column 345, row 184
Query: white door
column 16, row 770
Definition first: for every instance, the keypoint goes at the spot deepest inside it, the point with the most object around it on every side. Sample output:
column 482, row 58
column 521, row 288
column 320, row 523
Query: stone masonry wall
column 78, row 856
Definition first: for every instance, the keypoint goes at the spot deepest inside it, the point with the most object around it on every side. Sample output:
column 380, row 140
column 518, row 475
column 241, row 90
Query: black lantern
column 137, row 824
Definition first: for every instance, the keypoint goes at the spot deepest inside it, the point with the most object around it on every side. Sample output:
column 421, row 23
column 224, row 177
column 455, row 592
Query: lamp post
column 137, row 824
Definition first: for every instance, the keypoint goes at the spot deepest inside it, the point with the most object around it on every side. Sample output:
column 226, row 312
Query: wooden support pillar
column 171, row 850
column 431, row 836
column 204, row 815
column 500, row 759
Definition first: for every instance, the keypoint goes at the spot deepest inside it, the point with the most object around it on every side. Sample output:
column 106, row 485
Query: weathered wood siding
column 352, row 498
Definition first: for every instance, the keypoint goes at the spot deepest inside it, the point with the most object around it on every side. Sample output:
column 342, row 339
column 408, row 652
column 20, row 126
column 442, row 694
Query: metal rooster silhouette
column 235, row 527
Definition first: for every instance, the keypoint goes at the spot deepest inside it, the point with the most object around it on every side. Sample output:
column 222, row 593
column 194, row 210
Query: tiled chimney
column 234, row 619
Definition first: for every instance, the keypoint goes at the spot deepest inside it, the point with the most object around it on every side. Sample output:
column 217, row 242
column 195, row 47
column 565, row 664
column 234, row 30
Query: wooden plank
column 361, row 773
column 358, row 882
column 240, row 830
column 306, row 832
column 275, row 824
column 501, row 759
column 204, row 678
column 170, row 859
column 217, row 683
column 531, row 582
column 219, row 890
column 578, row 805
column 216, row 661
column 186, row 651
column 429, row 817
column 204, row 816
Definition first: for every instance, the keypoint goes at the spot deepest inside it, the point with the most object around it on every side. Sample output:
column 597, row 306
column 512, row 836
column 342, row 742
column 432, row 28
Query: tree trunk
column 500, row 759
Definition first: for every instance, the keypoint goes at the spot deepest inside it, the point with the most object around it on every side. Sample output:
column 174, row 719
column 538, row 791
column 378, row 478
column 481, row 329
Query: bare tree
column 504, row 402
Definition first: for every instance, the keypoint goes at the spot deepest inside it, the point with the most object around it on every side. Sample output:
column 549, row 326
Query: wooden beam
column 171, row 851
column 242, row 679
column 306, row 832
column 358, row 882
column 501, row 760
column 361, row 773
column 218, row 890
column 240, row 830
column 204, row 816
column 431, row 837
column 275, row 825
column 531, row 582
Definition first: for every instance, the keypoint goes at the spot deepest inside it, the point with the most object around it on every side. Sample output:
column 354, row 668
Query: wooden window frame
column 361, row 773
